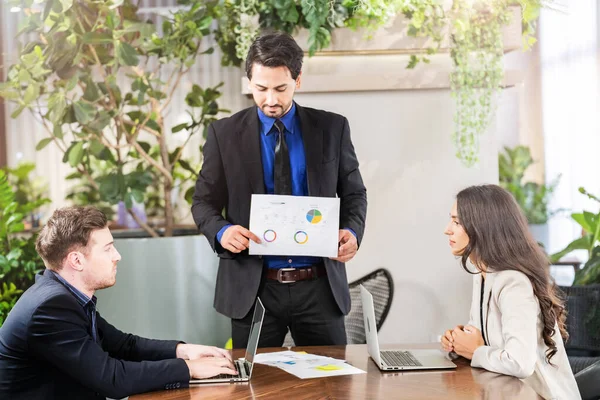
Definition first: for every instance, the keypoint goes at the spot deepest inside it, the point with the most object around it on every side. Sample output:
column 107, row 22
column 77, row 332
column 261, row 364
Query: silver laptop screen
column 259, row 313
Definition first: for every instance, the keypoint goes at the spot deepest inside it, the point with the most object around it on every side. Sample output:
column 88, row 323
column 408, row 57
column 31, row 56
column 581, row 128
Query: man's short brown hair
column 275, row 49
column 68, row 229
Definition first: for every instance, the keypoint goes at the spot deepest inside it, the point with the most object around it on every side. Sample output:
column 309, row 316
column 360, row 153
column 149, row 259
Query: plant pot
column 165, row 289
column 541, row 234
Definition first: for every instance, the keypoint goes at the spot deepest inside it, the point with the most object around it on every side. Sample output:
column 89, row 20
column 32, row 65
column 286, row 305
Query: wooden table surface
column 272, row 383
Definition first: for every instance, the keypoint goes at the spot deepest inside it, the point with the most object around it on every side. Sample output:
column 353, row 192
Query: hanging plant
column 477, row 54
column 476, row 50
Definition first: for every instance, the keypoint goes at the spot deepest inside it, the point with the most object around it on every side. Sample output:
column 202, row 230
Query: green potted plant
column 101, row 79
column 19, row 261
column 583, row 297
column 532, row 197
column 589, row 241
column 241, row 21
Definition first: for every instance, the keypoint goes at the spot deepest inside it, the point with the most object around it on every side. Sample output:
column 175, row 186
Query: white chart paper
column 295, row 225
column 307, row 366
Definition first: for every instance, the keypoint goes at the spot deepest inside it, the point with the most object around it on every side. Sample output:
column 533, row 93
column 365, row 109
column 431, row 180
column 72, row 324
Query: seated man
column 55, row 345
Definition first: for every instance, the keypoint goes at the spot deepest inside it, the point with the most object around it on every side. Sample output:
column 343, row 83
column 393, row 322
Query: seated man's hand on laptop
column 208, row 367
column 196, row 351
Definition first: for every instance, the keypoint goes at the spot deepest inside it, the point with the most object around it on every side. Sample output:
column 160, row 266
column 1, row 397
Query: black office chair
column 588, row 381
column 583, row 324
column 380, row 284
column 578, row 364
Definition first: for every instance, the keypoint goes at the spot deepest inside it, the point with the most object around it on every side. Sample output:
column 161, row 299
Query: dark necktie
column 282, row 173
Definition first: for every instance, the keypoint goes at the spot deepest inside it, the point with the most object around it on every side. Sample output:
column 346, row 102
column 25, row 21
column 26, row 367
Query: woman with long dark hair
column 517, row 318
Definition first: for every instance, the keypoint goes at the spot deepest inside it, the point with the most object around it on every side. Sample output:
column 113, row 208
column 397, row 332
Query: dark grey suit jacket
column 232, row 171
column 47, row 352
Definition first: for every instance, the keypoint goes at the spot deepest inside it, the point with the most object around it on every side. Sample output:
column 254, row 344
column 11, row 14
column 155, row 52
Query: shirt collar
column 288, row 120
column 82, row 298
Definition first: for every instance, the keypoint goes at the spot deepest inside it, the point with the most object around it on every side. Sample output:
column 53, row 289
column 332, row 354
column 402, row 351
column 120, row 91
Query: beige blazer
column 514, row 336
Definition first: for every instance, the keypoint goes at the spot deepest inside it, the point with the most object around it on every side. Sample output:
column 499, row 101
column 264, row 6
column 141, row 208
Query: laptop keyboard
column 238, row 366
column 400, row 359
column 224, row 376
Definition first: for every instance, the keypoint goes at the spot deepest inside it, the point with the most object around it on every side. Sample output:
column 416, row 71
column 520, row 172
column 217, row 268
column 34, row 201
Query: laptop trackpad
column 431, row 357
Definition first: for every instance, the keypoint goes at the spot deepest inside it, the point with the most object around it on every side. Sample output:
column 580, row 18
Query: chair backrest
column 381, row 286
column 583, row 317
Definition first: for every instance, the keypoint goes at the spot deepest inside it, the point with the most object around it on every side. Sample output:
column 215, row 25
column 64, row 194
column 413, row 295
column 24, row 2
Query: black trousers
column 306, row 307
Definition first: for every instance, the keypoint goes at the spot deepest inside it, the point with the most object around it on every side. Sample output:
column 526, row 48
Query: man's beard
column 105, row 284
column 273, row 114
column 280, row 110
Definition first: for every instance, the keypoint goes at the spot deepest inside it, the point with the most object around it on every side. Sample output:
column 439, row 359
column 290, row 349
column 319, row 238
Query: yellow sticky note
column 328, row 367
column 301, row 352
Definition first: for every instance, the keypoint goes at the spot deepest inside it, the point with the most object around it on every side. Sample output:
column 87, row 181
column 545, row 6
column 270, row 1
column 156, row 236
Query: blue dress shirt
column 268, row 140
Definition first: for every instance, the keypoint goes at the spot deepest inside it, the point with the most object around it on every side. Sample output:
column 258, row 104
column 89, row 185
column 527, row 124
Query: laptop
column 397, row 360
column 242, row 365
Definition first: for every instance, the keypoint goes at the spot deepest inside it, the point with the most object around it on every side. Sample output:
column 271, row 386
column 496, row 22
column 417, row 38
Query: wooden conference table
column 272, row 383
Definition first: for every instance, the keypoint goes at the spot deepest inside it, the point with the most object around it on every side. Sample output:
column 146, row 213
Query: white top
column 513, row 330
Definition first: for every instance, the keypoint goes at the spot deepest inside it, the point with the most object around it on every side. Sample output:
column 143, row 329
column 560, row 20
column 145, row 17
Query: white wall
column 402, row 139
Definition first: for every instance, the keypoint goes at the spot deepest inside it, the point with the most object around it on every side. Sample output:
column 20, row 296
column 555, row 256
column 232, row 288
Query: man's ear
column 75, row 260
column 299, row 80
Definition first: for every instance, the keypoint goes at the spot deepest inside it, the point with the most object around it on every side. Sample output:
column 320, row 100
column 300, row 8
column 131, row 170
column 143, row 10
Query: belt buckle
column 280, row 273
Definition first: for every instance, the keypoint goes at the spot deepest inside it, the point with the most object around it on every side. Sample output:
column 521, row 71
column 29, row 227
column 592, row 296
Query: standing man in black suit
column 279, row 147
column 55, row 345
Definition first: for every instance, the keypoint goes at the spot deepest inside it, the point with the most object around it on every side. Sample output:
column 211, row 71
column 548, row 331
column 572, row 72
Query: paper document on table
column 306, row 366
column 290, row 357
column 295, row 225
column 320, row 369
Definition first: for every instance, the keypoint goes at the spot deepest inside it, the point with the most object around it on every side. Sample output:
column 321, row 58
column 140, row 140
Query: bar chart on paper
column 295, row 225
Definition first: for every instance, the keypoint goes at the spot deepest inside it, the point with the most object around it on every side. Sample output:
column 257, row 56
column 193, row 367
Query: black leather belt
column 291, row 275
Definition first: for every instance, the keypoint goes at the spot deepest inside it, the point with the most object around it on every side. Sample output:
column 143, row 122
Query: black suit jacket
column 47, row 352
column 232, row 171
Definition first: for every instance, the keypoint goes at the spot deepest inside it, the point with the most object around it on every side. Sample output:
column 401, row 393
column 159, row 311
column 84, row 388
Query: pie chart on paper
column 314, row 216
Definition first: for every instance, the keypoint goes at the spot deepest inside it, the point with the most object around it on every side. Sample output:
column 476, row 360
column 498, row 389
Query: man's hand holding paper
column 348, row 246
